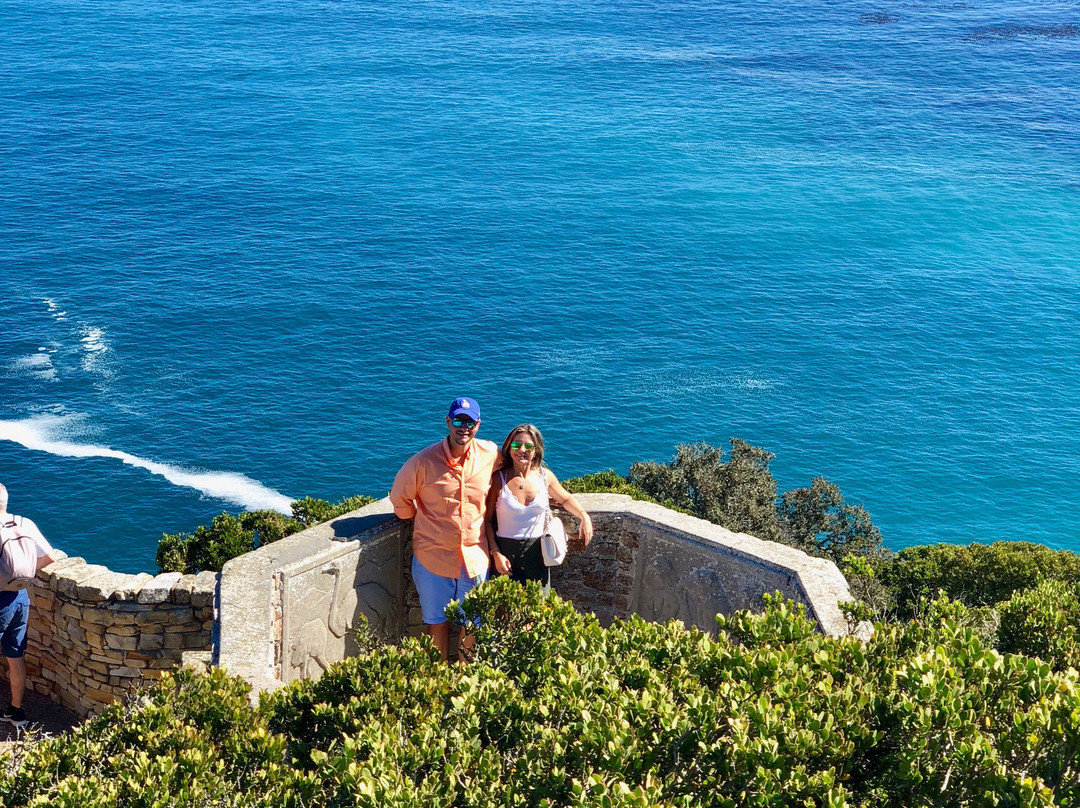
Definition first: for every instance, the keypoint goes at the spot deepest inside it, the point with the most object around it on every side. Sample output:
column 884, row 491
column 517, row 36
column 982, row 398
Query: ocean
column 250, row 251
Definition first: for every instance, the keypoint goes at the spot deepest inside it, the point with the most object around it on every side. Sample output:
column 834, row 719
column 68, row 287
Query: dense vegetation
column 558, row 711
column 741, row 494
column 228, row 536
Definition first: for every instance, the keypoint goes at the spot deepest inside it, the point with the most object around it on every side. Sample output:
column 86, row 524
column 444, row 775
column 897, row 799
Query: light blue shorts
column 436, row 592
column 14, row 615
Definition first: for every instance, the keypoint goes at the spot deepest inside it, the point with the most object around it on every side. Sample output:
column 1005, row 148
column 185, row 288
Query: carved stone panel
column 322, row 601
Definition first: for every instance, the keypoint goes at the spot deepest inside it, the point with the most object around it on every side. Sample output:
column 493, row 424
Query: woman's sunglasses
column 516, row 444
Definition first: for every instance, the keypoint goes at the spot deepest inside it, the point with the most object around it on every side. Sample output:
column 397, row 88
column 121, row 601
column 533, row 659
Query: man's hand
column 502, row 563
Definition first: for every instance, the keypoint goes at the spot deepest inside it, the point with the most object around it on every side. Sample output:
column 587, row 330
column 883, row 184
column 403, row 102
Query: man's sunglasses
column 516, row 444
column 463, row 423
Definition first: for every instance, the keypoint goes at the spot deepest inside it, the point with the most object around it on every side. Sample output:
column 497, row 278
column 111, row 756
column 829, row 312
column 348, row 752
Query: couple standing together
column 476, row 507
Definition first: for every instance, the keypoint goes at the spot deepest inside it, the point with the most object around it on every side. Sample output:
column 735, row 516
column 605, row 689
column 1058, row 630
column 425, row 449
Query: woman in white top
column 518, row 501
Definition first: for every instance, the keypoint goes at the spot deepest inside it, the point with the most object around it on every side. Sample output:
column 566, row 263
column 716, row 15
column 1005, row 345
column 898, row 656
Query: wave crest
column 43, row 433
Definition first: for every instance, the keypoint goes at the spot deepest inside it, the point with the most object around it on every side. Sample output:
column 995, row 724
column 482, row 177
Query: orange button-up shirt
column 446, row 497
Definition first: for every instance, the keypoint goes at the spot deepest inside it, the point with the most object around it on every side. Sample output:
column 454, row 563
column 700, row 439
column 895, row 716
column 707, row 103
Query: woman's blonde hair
column 537, row 441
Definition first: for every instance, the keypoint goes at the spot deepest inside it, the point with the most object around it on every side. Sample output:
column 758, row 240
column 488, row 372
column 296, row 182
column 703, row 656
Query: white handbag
column 553, row 542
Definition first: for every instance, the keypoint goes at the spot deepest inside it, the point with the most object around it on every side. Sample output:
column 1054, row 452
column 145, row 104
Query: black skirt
column 526, row 560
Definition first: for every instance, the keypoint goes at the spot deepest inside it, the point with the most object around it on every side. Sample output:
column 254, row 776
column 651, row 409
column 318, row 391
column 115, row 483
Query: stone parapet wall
column 648, row 560
column 95, row 635
column 287, row 610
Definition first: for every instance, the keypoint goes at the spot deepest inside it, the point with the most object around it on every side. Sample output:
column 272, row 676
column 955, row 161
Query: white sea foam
column 54, row 309
column 38, row 365
column 44, row 433
column 94, row 346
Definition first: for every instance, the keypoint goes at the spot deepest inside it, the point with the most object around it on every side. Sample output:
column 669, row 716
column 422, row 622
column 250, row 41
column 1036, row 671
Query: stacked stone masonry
column 95, row 636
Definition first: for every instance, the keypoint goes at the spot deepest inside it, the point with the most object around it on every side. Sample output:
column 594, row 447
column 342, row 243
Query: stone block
column 132, row 587
column 151, row 642
column 68, row 581
column 148, row 617
column 204, row 589
column 101, row 587
column 181, row 592
column 122, row 631
column 120, row 643
column 97, row 697
column 58, row 568
column 159, row 590
column 99, row 615
column 125, row 672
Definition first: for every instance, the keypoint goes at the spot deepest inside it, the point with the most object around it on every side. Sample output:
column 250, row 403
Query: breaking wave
column 44, row 433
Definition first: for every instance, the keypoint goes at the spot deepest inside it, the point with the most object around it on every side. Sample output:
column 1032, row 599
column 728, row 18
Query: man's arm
column 47, row 559
column 406, row 487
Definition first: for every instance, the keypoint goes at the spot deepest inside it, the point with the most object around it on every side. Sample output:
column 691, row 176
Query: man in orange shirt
column 443, row 489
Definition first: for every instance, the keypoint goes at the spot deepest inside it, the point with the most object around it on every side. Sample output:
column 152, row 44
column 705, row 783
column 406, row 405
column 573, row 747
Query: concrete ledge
column 286, row 608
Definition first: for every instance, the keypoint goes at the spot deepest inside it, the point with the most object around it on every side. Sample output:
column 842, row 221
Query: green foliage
column 559, row 711
column 977, row 575
column 739, row 494
column 228, row 536
column 605, row 482
column 819, row 521
column 1043, row 622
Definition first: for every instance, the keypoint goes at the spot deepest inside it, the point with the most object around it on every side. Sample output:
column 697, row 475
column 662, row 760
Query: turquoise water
column 250, row 251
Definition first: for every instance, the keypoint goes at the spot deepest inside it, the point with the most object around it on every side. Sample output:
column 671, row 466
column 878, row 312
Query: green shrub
column 559, row 711
column 605, row 482
column 229, row 536
column 1043, row 622
column 976, row 574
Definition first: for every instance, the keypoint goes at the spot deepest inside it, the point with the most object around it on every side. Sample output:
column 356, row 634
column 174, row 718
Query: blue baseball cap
column 465, row 406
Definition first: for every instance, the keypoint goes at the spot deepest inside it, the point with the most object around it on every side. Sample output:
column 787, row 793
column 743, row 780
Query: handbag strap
column 547, row 513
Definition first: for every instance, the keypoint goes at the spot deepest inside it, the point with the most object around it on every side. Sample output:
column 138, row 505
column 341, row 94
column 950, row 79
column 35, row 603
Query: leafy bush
column 605, row 482
column 740, row 494
column 558, row 711
column 976, row 574
column 1043, row 622
column 229, row 536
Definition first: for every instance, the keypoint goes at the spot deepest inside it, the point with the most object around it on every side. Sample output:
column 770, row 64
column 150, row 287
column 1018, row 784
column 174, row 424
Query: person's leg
column 440, row 636
column 435, row 593
column 465, row 584
column 17, row 679
column 14, row 616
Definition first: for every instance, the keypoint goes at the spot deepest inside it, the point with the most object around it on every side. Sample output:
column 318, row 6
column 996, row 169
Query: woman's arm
column 502, row 563
column 564, row 499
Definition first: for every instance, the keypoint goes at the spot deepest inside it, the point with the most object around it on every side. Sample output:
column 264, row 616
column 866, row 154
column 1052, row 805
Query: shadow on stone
column 351, row 527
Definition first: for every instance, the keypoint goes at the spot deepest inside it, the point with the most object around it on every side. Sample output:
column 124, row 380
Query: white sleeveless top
column 517, row 521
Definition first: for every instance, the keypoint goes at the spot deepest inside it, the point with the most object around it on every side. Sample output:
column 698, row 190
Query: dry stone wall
column 95, row 635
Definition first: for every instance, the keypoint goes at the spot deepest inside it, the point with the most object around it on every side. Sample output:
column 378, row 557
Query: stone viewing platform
column 286, row 610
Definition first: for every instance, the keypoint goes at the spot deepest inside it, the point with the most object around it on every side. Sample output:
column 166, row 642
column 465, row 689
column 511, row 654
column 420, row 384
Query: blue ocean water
column 249, row 251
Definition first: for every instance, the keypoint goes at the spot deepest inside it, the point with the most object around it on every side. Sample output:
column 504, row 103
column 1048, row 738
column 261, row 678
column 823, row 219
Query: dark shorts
column 526, row 560
column 14, row 615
